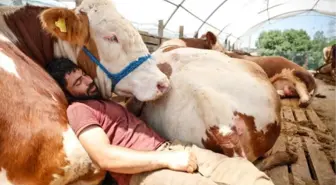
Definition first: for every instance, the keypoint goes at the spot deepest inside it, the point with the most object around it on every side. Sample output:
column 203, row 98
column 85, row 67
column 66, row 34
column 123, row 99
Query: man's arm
column 127, row 161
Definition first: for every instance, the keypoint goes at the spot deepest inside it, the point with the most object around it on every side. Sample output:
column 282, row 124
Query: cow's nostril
column 163, row 86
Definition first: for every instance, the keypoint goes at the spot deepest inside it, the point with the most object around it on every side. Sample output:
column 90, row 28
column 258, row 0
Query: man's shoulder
column 83, row 104
column 89, row 104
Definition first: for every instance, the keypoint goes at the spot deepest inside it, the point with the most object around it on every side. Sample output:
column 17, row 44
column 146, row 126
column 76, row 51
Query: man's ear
column 211, row 38
column 66, row 25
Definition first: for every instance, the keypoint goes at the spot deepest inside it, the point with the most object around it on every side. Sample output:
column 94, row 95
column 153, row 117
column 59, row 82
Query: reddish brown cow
column 289, row 79
column 37, row 146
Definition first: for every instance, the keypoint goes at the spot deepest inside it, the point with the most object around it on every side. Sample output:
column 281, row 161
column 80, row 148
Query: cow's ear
column 210, row 38
column 66, row 25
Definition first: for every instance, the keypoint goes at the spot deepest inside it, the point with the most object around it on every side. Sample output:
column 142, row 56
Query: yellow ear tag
column 61, row 24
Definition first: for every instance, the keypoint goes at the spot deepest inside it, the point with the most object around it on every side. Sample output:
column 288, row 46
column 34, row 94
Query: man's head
column 74, row 82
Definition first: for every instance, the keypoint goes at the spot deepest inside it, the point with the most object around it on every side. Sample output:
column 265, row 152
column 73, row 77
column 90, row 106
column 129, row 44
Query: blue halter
column 115, row 78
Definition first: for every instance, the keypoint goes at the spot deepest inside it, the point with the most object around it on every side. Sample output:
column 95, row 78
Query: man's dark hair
column 58, row 68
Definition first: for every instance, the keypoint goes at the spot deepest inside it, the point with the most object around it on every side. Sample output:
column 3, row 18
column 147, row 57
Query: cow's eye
column 111, row 38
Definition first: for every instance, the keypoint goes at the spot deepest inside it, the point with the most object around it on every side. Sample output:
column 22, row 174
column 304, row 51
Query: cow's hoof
column 304, row 104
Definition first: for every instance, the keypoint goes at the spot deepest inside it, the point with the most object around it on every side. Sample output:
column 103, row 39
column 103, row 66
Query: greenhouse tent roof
column 229, row 19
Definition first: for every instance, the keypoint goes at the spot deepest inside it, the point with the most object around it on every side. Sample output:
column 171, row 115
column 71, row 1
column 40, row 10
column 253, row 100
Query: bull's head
column 125, row 65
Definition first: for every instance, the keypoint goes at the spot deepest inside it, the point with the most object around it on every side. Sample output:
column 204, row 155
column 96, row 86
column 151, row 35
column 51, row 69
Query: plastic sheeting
column 229, row 19
column 51, row 3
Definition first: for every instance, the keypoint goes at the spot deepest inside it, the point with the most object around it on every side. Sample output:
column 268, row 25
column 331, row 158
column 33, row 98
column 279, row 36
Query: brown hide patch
column 257, row 143
column 239, row 52
column 227, row 145
column 170, row 48
column 211, row 142
column 211, row 39
column 166, row 69
column 197, row 43
column 247, row 141
column 32, row 122
column 85, row 63
column 33, row 40
column 306, row 78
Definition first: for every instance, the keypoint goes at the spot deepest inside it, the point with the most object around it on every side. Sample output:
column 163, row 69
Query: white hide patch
column 207, row 88
column 8, row 64
column 3, row 177
column 80, row 162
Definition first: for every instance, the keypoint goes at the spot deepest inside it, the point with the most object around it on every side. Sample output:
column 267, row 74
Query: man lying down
column 133, row 153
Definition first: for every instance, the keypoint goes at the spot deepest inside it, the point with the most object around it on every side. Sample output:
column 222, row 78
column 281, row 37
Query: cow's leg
column 302, row 90
column 271, row 160
column 222, row 133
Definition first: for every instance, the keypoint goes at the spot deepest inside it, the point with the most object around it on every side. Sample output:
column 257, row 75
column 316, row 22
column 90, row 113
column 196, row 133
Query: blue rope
column 115, row 78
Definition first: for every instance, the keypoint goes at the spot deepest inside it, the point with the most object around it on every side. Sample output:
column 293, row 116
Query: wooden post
column 160, row 28
column 181, row 32
column 78, row 2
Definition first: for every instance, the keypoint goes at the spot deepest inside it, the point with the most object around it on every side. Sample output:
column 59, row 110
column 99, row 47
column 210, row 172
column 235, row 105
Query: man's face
column 80, row 85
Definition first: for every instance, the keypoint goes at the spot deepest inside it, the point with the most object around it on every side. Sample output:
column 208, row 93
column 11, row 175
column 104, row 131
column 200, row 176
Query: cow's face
column 118, row 44
column 285, row 88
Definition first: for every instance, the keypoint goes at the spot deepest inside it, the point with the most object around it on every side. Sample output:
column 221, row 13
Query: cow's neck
column 77, row 55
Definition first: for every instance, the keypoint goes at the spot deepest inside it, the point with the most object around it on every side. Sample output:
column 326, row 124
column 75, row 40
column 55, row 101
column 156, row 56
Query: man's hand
column 181, row 161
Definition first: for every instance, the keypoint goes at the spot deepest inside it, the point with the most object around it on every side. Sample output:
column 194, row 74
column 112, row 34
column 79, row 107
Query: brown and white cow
column 216, row 102
column 288, row 78
column 37, row 146
column 329, row 56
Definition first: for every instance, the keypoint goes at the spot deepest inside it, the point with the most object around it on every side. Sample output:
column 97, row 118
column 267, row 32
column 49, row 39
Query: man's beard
column 95, row 96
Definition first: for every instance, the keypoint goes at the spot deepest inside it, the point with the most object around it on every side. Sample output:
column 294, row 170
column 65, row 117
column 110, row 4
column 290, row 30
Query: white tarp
column 232, row 19
column 229, row 19
column 66, row 3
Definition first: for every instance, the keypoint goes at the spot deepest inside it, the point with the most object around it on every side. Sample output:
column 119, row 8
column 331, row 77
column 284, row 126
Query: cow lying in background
column 226, row 105
column 288, row 78
column 329, row 56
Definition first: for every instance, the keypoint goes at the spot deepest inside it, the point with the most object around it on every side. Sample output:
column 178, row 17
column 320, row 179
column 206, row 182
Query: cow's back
column 205, row 80
column 274, row 64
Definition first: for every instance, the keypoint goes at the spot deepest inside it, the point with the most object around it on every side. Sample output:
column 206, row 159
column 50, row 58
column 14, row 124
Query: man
column 134, row 154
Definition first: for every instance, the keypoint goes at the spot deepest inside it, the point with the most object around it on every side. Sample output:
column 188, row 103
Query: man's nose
column 88, row 79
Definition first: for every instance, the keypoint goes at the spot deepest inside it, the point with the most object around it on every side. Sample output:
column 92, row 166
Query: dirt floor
column 325, row 107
